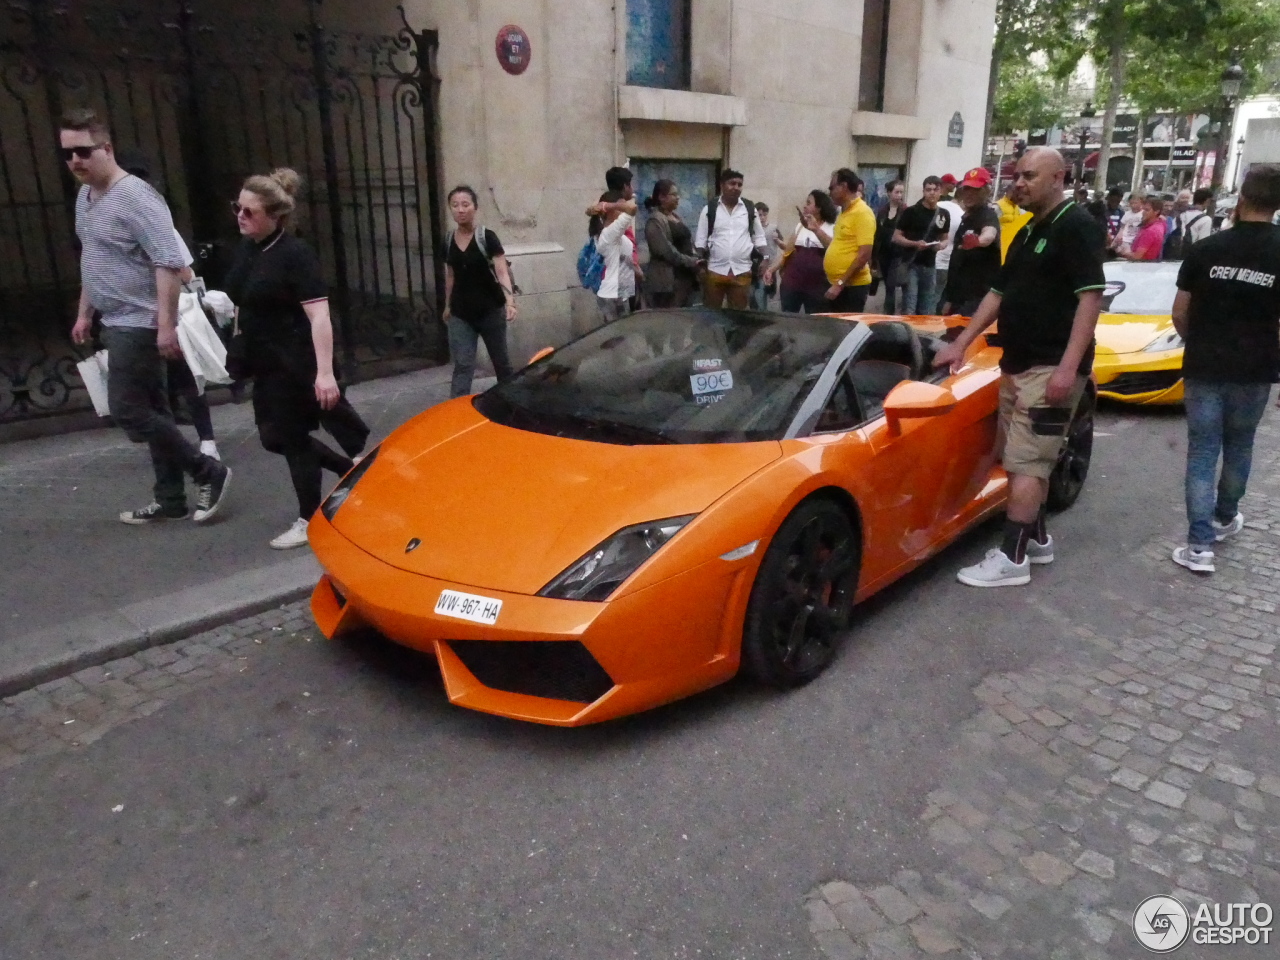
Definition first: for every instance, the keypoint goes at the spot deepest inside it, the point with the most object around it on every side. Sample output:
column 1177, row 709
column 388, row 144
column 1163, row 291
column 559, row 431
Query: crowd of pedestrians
column 1033, row 260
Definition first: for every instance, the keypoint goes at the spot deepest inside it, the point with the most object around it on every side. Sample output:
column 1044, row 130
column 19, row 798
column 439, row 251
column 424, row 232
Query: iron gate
column 209, row 97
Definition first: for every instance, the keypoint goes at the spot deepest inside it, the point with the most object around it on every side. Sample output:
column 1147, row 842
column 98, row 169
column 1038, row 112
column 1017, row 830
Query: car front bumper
column 558, row 662
column 1141, row 378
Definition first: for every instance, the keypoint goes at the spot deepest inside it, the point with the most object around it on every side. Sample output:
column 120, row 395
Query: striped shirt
column 124, row 235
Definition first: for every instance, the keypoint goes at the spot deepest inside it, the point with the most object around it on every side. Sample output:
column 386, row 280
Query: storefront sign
column 955, row 130
column 1184, row 155
column 1126, row 126
column 513, row 49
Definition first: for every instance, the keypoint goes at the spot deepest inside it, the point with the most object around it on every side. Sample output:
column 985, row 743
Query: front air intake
column 552, row 669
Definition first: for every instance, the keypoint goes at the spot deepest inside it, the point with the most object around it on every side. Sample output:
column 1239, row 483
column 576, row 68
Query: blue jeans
column 1221, row 418
column 464, row 338
column 921, row 296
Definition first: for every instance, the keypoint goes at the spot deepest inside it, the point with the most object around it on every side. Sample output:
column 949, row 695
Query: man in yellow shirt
column 1012, row 219
column 848, row 257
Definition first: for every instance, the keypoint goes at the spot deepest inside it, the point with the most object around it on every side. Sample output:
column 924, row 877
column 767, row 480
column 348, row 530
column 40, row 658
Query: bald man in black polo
column 1047, row 299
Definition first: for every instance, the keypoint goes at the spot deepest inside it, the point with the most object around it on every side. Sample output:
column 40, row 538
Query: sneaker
column 1194, row 558
column 210, row 496
column 1040, row 552
column 210, row 449
column 153, row 513
column 996, row 570
column 295, row 536
column 1223, row 531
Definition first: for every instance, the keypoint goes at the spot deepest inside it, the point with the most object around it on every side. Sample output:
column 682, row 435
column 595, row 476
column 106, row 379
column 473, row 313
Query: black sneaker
column 209, row 496
column 153, row 513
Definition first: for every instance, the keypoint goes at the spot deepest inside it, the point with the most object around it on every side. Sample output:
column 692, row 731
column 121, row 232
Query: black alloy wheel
column 1068, row 477
column 803, row 595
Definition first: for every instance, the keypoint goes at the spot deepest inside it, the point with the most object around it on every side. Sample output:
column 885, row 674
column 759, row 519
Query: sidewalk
column 81, row 588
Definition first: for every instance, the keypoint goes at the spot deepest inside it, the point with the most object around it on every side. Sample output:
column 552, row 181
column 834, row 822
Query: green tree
column 1027, row 98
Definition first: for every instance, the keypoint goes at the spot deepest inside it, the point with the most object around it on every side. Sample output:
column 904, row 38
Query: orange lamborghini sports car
column 636, row 516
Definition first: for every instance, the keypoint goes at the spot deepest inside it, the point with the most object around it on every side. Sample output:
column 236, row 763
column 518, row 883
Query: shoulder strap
column 712, row 208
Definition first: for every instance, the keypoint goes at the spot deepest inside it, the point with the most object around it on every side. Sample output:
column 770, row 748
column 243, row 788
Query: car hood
column 505, row 509
column 1129, row 333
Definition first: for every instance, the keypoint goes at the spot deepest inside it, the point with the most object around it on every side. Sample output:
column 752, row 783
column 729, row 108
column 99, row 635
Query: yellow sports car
column 1139, row 357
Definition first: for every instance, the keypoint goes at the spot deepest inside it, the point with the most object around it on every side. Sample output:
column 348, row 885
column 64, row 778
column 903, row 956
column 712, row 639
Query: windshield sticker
column 716, row 381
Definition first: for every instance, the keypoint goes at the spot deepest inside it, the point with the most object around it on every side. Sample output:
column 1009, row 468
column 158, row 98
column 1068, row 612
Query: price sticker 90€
column 713, row 381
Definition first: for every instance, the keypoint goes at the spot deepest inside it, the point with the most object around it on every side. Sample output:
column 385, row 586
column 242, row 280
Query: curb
column 49, row 654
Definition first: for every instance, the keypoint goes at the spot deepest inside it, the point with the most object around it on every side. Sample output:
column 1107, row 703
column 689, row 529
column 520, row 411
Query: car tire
column 1072, row 469
column 802, row 599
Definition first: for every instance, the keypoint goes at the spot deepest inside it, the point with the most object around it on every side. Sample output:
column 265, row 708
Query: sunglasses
column 247, row 212
column 82, row 153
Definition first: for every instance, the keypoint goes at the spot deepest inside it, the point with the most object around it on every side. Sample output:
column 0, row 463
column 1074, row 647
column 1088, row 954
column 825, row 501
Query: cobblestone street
column 1136, row 757
column 1144, row 765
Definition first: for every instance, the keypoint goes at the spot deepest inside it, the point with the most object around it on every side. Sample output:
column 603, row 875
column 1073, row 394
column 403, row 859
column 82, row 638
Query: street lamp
column 1231, row 80
column 1239, row 155
column 1086, row 113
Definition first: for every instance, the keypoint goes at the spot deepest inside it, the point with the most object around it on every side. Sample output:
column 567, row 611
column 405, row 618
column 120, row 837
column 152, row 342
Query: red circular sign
column 514, row 49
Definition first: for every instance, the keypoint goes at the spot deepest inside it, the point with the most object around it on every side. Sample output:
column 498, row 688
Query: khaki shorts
column 1033, row 431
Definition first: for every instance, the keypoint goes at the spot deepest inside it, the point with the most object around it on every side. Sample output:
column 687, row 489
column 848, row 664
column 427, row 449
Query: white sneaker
column 1222, row 531
column 1040, row 552
column 996, row 570
column 1193, row 558
column 210, row 449
column 295, row 536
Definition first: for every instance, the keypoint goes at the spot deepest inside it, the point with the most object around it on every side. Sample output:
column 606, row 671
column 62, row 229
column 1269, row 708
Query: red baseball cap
column 977, row 177
column 948, row 179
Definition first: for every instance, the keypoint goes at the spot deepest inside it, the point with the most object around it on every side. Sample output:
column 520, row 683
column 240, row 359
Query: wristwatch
column 839, row 283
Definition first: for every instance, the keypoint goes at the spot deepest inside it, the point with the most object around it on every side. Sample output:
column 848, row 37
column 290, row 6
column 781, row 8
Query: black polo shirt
column 1233, row 327
column 269, row 282
column 918, row 222
column 1049, row 264
column 973, row 271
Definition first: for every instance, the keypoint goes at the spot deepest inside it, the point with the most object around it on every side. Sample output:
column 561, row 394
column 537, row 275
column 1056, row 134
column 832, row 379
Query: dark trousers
column 286, row 411
column 138, row 395
column 182, row 386
column 464, row 337
column 794, row 301
column 851, row 300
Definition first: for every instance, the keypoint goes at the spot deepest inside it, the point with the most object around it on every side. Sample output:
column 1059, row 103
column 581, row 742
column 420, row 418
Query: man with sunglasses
column 130, row 272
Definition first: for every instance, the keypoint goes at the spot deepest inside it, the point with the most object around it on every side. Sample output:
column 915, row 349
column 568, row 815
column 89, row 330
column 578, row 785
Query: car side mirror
column 544, row 352
column 913, row 399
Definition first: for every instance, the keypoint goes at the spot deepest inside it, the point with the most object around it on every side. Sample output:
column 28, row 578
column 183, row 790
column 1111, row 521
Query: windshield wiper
column 613, row 427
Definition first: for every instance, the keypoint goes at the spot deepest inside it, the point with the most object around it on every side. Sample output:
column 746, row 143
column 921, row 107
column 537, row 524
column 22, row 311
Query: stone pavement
column 1145, row 763
column 81, row 588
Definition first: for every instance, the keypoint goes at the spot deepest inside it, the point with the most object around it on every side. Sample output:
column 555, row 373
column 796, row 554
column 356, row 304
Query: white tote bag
column 201, row 347
column 93, row 372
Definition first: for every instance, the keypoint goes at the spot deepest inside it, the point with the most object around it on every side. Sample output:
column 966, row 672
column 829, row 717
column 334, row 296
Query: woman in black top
column 282, row 310
column 478, row 295
column 885, row 253
column 672, row 274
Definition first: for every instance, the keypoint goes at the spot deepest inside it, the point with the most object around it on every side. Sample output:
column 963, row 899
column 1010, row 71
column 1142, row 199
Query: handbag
column 93, row 371
column 237, row 362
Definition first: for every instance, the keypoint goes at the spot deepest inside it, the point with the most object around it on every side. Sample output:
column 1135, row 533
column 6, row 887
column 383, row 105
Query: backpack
column 1172, row 249
column 482, row 239
column 590, row 266
column 757, row 257
column 1183, row 238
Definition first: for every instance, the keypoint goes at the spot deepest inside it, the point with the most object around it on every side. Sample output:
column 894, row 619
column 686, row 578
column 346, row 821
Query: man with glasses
column 130, row 272
column 1047, row 298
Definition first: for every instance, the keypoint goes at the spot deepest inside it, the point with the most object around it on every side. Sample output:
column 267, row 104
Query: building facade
column 527, row 101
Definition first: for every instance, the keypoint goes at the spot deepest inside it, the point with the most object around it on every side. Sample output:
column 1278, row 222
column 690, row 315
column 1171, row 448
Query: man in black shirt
column 1047, row 299
column 1228, row 311
column 975, row 262
column 923, row 229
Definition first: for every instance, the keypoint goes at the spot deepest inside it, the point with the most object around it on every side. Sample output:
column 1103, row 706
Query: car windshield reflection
column 1140, row 288
column 672, row 376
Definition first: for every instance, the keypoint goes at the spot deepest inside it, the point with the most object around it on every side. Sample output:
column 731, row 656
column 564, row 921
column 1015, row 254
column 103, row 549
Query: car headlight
column 348, row 483
column 1169, row 340
column 595, row 576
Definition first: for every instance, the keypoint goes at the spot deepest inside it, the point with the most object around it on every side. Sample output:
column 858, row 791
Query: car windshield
column 672, row 376
column 1140, row 288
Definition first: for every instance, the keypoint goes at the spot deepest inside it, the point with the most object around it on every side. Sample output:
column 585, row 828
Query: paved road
column 259, row 792
column 65, row 555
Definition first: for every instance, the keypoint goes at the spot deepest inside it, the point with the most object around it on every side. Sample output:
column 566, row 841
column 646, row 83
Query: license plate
column 467, row 606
